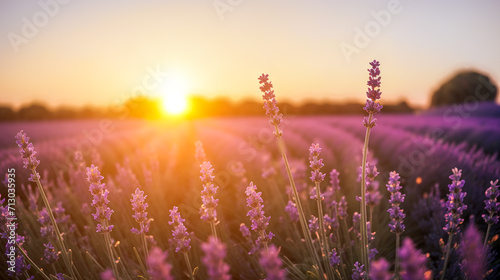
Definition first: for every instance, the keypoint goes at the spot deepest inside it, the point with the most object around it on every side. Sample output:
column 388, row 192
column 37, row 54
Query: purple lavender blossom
column 43, row 218
column 245, row 231
column 270, row 104
column 215, row 252
column 379, row 270
column 372, row 107
column 179, row 233
column 141, row 216
column 271, row 263
column 209, row 203
column 358, row 272
column 256, row 214
column 334, row 258
column 313, row 224
column 28, row 155
column 159, row 268
column 395, row 212
column 342, row 208
column 455, row 203
column 50, row 255
column 473, row 253
column 291, row 209
column 413, row 263
column 492, row 206
column 316, row 163
column 107, row 275
column 373, row 195
column 100, row 199
column 333, row 190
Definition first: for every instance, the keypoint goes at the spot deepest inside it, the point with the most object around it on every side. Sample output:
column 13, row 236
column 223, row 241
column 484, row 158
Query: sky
column 76, row 53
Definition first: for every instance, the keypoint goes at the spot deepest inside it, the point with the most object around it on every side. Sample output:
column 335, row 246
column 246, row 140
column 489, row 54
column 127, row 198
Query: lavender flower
column 207, row 211
column 28, row 155
column 50, row 255
column 159, row 268
column 492, row 206
column 334, row 258
column 474, row 254
column 358, row 272
column 316, row 163
column 373, row 195
column 179, row 233
column 342, row 208
column 412, row 262
column 215, row 252
column 107, row 275
column 46, row 229
column 270, row 104
column 333, row 189
column 291, row 209
column 245, row 231
column 271, row 263
column 100, row 200
column 141, row 216
column 455, row 203
column 380, row 270
column 372, row 107
column 313, row 224
column 256, row 214
column 395, row 212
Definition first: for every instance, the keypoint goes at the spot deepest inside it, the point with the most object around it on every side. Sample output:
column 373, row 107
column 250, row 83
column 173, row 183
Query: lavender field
column 162, row 161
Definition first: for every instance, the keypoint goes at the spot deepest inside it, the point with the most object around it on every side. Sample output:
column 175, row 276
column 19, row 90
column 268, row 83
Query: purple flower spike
column 209, row 203
column 159, row 268
column 270, row 104
column 492, row 206
column 271, row 262
column 215, row 252
column 334, row 258
column 395, row 212
column 342, row 208
column 100, row 199
column 380, row 270
column 313, row 224
column 50, row 255
column 455, row 203
column 291, row 209
column 372, row 107
column 141, row 216
column 107, row 275
column 28, row 155
column 179, row 233
column 256, row 214
column 316, row 163
column 474, row 254
column 412, row 262
column 358, row 272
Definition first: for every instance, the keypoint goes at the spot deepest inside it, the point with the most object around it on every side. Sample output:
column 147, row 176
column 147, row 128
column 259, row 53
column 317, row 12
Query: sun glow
column 174, row 96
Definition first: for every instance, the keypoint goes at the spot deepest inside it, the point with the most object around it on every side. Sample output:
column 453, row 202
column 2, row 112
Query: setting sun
column 174, row 96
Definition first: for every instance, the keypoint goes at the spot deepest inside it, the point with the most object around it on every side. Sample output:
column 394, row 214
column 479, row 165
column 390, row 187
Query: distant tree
column 34, row 111
column 466, row 86
column 7, row 113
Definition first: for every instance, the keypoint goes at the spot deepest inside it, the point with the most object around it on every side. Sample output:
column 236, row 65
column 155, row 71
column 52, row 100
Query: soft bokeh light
column 174, row 96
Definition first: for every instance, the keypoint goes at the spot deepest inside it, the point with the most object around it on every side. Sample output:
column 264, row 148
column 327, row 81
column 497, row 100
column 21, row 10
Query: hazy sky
column 99, row 52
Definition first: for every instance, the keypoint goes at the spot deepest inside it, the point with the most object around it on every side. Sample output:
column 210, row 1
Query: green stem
column 32, row 263
column 324, row 241
column 107, row 239
column 188, row 264
column 60, row 242
column 396, row 265
column 146, row 251
column 214, row 230
column 302, row 219
column 448, row 249
column 363, row 229
column 486, row 236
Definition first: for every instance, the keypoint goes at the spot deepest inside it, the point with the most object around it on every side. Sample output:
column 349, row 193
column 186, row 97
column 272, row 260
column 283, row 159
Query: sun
column 174, row 96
